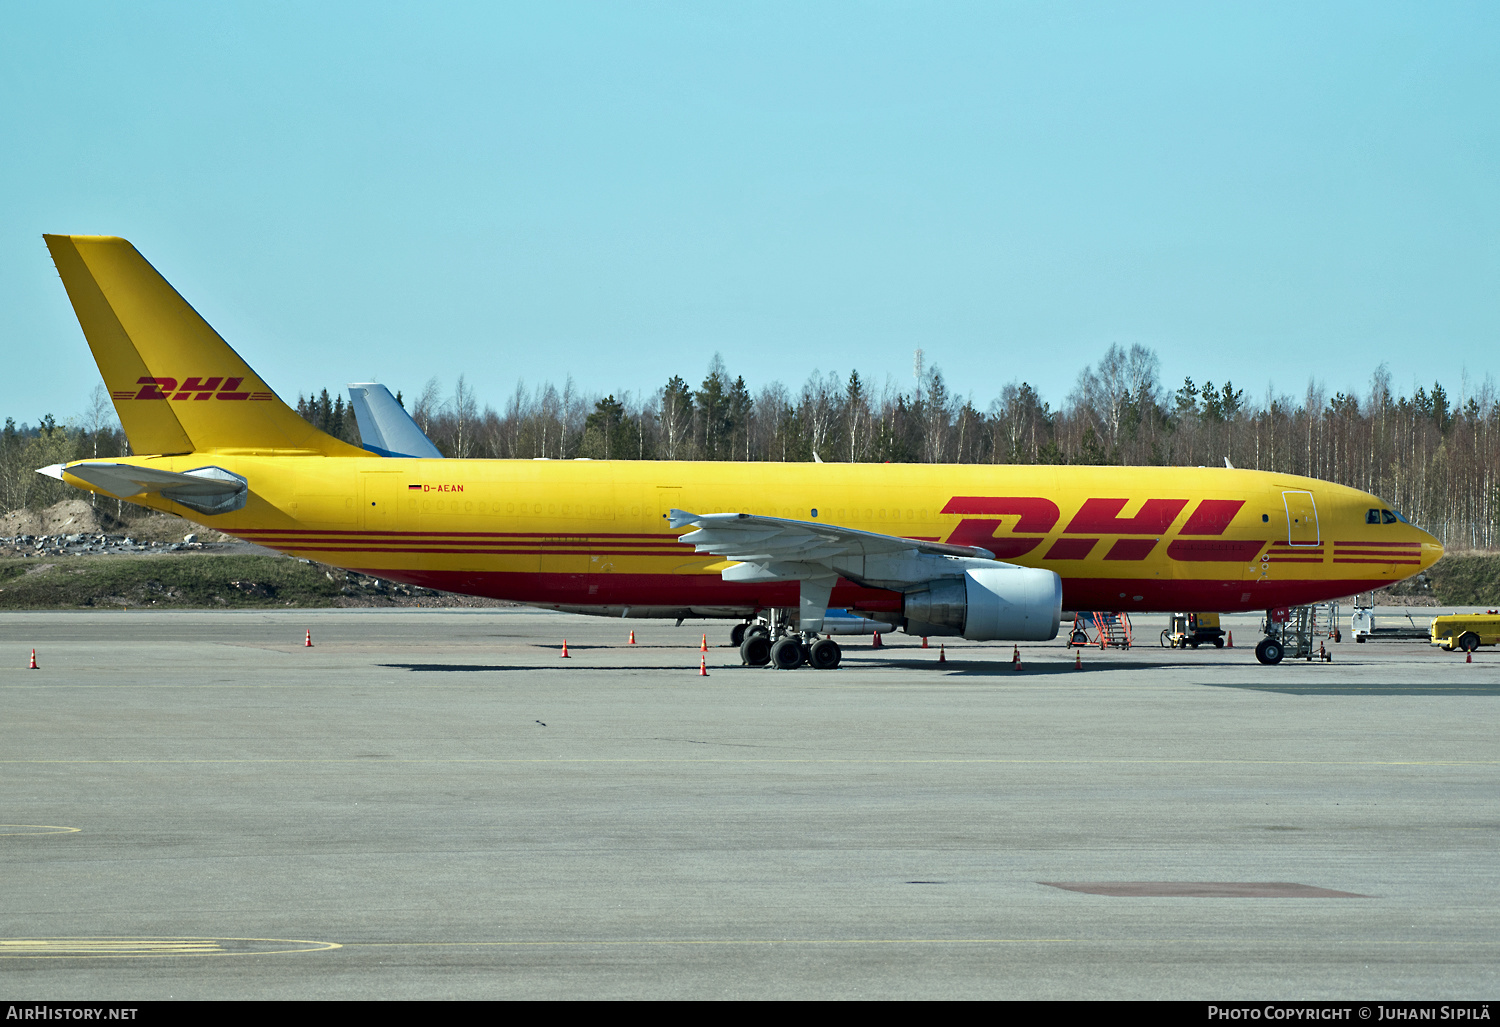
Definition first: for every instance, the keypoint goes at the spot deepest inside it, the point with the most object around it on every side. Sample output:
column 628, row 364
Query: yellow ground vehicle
column 1190, row 630
column 1466, row 631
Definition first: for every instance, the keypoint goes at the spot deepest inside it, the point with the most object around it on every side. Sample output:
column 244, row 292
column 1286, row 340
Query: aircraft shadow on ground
column 1363, row 688
column 425, row 668
column 952, row 668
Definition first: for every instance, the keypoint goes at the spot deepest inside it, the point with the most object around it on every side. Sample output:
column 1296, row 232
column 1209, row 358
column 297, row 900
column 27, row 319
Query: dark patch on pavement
column 1203, row 889
column 1311, row 688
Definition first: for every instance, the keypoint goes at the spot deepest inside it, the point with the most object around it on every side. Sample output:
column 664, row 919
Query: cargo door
column 1301, row 519
column 379, row 492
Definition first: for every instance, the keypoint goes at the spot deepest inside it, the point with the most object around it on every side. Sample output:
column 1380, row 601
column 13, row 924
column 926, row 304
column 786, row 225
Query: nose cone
column 1432, row 549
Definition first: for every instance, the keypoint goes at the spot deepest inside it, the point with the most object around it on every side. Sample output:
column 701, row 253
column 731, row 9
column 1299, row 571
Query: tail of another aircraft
column 385, row 428
column 177, row 386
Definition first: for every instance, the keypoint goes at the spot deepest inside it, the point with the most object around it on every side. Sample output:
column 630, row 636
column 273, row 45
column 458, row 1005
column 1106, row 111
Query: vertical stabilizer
column 177, row 386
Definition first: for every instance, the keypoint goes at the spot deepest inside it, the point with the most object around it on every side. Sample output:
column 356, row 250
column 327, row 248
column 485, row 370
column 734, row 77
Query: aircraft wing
column 816, row 555
column 208, row 490
column 753, row 538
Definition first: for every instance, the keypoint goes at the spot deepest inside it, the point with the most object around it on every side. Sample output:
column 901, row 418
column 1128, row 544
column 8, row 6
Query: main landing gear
column 783, row 647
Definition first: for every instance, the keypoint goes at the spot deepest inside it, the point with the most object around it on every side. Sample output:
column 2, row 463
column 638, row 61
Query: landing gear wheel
column 1468, row 641
column 824, row 654
column 1269, row 651
column 755, row 651
column 787, row 654
column 757, row 630
column 737, row 634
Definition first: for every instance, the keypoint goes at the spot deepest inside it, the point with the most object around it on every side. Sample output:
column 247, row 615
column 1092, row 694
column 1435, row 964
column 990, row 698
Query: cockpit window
column 1372, row 516
column 1388, row 517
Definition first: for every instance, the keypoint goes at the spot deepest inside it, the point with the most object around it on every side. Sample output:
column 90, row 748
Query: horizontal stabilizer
column 209, row 490
column 385, row 428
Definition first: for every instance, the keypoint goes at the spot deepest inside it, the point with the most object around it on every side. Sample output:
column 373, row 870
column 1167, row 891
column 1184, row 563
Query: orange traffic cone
column 308, row 644
column 877, row 643
column 1077, row 659
column 704, row 647
column 1467, row 659
column 33, row 659
column 1015, row 656
column 703, row 666
column 1231, row 640
column 632, row 638
column 565, row 650
column 942, row 654
column 924, row 641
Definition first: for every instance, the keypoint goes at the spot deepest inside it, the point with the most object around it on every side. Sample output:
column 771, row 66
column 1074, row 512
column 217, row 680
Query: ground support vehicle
column 1190, row 630
column 1465, row 631
column 1364, row 629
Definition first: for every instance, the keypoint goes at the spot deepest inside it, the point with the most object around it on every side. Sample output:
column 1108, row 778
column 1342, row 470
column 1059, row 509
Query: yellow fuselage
column 595, row 533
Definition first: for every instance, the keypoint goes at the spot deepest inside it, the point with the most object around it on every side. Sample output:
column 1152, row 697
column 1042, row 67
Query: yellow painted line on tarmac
column 30, row 829
column 123, row 948
column 136, row 948
column 589, row 943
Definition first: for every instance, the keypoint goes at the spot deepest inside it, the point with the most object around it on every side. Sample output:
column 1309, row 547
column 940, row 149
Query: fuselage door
column 1301, row 519
column 379, row 493
column 668, row 498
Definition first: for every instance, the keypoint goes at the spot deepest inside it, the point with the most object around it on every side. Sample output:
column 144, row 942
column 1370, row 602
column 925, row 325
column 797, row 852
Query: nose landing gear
column 1269, row 651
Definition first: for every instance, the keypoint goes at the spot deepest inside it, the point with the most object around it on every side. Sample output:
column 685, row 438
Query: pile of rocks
column 80, row 544
column 352, row 583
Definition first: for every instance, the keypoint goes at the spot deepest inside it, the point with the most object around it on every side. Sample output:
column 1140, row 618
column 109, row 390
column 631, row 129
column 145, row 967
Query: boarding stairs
column 1112, row 630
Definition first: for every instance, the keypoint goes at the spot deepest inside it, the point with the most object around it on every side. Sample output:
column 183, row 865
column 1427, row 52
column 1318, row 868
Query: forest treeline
column 1433, row 456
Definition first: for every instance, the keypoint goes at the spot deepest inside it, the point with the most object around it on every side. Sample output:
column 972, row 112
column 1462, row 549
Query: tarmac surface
column 433, row 804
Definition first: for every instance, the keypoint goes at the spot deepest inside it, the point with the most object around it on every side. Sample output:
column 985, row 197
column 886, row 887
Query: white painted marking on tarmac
column 126, row 948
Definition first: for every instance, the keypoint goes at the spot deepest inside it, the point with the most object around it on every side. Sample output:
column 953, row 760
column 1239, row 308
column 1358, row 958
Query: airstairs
column 1107, row 630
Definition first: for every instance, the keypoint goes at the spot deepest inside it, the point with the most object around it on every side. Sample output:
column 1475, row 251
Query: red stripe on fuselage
column 681, row 590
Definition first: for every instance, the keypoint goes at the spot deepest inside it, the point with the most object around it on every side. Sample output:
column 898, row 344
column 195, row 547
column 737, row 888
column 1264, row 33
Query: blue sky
column 616, row 191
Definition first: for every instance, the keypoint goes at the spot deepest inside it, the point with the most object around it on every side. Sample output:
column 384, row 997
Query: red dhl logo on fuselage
column 191, row 388
column 1096, row 519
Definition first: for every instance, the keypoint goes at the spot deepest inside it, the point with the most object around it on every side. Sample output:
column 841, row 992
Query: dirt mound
column 79, row 516
column 65, row 518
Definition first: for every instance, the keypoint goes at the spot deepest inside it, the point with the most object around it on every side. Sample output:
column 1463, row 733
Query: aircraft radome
column 980, row 551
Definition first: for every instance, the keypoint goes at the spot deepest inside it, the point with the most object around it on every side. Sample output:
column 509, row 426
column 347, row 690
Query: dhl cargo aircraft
column 984, row 552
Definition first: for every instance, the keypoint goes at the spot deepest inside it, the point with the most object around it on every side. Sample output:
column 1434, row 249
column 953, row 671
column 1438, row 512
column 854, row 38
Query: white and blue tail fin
column 385, row 428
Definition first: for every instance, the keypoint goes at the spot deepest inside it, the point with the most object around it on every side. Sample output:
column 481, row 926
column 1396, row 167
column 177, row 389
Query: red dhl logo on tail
column 191, row 388
column 1097, row 518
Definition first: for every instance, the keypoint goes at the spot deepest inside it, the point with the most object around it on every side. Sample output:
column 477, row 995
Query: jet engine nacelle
column 1020, row 604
